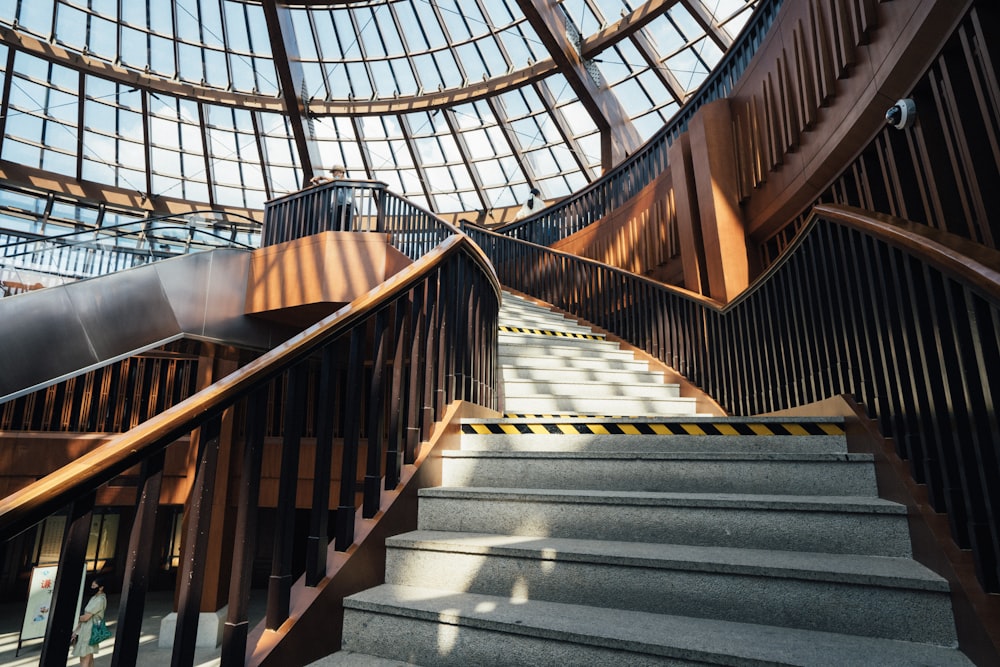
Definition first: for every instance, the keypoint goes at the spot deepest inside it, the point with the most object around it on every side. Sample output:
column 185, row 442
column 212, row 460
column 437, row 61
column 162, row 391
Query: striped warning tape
column 658, row 428
column 549, row 332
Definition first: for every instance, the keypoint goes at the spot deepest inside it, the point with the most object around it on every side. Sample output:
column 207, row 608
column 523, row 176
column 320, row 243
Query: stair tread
column 866, row 504
column 669, row 636
column 856, row 569
column 676, row 456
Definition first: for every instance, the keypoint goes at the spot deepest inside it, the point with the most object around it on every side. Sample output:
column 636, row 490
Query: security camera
column 902, row 114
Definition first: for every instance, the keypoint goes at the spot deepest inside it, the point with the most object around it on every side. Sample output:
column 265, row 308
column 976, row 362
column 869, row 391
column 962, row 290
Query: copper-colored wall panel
column 330, row 268
column 713, row 161
column 640, row 236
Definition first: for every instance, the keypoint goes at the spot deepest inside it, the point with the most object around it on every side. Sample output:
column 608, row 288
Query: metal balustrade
column 29, row 259
column 860, row 304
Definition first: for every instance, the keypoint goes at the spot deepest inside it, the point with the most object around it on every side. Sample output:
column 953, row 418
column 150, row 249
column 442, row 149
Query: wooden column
column 213, row 365
column 713, row 158
column 688, row 218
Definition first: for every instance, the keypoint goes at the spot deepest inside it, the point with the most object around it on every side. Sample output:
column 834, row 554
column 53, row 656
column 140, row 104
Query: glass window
column 71, row 26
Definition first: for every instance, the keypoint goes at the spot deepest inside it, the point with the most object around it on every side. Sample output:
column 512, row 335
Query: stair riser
column 590, row 389
column 832, row 478
column 546, row 362
column 425, row 641
column 639, row 376
column 607, row 405
column 873, row 534
column 519, row 308
column 543, row 346
column 829, row 606
column 502, row 442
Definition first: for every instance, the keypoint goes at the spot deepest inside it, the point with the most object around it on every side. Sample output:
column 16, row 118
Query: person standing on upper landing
column 534, row 204
column 342, row 206
column 337, row 173
column 94, row 610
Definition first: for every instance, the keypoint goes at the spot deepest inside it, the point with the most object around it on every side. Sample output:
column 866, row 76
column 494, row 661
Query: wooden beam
column 619, row 137
column 291, row 78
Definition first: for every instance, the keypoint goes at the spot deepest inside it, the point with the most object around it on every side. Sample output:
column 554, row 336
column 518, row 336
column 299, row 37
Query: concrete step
column 513, row 373
column 693, row 434
column 591, row 389
column 810, row 591
column 516, row 304
column 680, row 472
column 608, row 361
column 526, row 347
column 600, row 405
column 468, row 629
column 834, row 524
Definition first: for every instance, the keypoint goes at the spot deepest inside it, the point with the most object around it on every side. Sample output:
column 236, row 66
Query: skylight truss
column 461, row 106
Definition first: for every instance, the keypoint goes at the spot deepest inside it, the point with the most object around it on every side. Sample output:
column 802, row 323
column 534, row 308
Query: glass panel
column 369, row 51
column 48, row 541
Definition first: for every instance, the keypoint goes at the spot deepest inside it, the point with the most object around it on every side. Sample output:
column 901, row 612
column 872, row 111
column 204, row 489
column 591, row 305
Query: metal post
column 192, row 575
column 138, row 563
column 234, row 635
column 67, row 586
column 280, row 583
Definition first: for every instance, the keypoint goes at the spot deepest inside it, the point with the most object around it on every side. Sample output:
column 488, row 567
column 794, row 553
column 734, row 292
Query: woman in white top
column 94, row 610
column 534, row 204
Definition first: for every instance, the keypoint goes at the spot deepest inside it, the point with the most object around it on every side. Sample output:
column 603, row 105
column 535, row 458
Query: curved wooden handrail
column 24, row 508
column 967, row 261
column 679, row 291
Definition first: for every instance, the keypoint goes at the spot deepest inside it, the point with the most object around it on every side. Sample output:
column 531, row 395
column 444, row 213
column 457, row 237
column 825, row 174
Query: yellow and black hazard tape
column 549, row 332
column 657, row 428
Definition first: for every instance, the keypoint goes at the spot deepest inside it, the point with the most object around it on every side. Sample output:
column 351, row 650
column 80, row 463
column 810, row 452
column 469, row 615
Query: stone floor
column 157, row 606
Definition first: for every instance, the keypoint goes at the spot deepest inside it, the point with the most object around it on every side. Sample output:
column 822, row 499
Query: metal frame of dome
column 232, row 102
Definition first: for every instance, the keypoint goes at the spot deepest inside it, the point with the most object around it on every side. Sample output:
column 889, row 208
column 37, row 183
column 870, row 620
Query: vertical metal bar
column 415, row 369
column 976, row 437
column 843, row 334
column 880, row 369
column 397, row 407
column 192, row 575
column 234, row 637
column 446, row 337
column 138, row 562
column 477, row 361
column 460, row 332
column 376, row 419
column 319, row 516
column 430, row 361
column 344, row 530
column 67, row 586
column 279, row 584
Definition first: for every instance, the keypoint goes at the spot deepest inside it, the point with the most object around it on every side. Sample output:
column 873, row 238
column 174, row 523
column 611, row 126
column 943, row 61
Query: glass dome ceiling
column 460, row 106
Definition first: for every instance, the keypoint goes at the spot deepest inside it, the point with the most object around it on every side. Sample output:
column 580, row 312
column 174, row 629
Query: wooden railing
column 385, row 367
column 904, row 318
